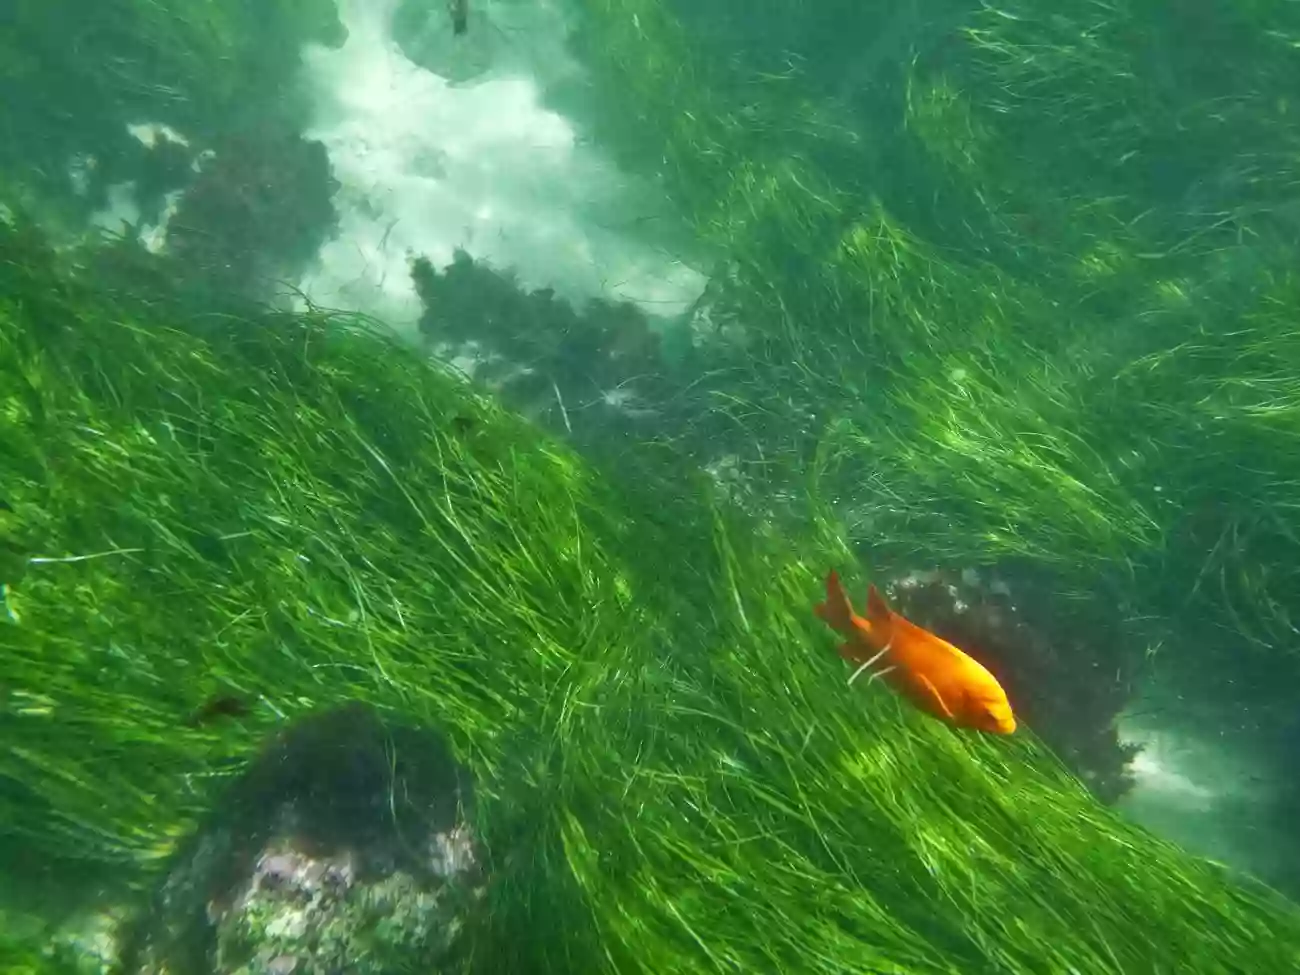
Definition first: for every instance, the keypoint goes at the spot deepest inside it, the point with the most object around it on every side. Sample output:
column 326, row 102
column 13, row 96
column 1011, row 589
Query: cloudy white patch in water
column 427, row 165
column 1207, row 792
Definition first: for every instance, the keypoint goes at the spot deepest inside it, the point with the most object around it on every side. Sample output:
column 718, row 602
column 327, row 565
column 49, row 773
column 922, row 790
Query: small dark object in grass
column 218, row 707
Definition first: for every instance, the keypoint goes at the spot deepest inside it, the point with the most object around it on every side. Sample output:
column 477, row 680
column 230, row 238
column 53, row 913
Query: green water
column 1000, row 295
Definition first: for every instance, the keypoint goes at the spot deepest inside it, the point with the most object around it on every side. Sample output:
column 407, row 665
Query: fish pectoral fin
column 848, row 652
column 874, row 676
column 938, row 698
column 857, row 673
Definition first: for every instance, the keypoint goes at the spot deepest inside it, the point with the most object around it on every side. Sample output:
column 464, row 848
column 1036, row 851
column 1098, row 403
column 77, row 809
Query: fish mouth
column 998, row 722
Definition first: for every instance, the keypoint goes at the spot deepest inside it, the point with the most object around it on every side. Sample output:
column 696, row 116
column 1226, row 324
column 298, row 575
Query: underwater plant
column 1019, row 287
column 257, row 212
column 538, row 354
column 669, row 772
column 73, row 77
column 943, row 356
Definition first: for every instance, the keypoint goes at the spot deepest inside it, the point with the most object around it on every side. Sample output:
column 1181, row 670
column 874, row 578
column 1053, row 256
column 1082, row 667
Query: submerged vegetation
column 1000, row 291
column 74, row 75
column 1033, row 274
column 603, row 377
column 668, row 767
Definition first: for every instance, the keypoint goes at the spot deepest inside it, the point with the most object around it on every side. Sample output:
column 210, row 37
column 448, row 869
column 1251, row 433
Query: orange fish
column 929, row 671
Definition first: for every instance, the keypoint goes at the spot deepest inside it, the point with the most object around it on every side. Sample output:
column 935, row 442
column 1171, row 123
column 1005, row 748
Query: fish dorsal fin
column 836, row 609
column 900, row 628
column 878, row 612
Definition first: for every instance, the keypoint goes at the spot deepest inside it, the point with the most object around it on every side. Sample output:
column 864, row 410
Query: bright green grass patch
column 673, row 776
column 1023, row 293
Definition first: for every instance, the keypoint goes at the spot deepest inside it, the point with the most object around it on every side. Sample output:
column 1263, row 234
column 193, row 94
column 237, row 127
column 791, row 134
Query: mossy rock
column 345, row 847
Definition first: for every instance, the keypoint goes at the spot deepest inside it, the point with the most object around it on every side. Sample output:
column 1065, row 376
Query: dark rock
column 1066, row 681
column 258, row 210
column 346, row 847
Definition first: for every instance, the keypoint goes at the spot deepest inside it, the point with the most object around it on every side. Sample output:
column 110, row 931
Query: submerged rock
column 347, row 847
column 1067, row 683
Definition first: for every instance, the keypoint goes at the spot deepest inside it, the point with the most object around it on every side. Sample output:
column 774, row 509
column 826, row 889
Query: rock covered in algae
column 346, row 847
column 1067, row 683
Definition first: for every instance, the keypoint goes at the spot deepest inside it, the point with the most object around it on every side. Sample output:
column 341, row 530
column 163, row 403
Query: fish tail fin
column 835, row 611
